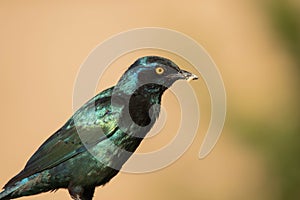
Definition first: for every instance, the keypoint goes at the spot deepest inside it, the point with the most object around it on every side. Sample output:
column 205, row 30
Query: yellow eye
column 159, row 70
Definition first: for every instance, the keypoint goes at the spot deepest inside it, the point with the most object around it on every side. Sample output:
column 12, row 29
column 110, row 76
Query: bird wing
column 80, row 131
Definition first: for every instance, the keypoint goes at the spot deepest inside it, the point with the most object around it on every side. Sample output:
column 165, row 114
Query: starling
column 76, row 156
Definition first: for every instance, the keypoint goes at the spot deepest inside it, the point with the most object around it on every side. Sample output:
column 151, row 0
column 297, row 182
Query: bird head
column 153, row 74
column 142, row 86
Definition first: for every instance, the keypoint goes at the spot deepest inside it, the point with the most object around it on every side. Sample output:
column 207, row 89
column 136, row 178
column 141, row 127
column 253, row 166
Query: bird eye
column 159, row 70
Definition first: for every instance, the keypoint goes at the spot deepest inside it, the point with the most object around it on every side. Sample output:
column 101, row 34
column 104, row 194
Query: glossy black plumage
column 92, row 146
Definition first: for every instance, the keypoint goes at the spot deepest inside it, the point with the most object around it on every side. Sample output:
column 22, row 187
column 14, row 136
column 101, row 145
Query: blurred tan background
column 255, row 44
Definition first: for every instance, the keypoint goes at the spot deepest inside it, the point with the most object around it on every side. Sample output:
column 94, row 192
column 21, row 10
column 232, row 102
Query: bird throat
column 144, row 104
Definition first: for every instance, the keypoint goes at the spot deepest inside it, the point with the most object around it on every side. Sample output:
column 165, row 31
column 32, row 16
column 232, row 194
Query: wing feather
column 65, row 143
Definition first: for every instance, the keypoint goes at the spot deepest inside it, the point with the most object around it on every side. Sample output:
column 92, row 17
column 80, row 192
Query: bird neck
column 144, row 104
column 138, row 116
column 140, row 108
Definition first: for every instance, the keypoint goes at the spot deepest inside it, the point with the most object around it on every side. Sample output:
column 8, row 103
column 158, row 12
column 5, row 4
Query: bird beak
column 188, row 75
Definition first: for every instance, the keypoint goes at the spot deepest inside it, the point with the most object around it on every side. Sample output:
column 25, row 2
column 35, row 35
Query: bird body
column 98, row 139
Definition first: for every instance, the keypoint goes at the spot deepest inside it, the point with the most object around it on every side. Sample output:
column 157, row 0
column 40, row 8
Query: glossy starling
column 76, row 157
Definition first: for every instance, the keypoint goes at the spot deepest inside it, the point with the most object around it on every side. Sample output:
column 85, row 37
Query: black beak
column 188, row 75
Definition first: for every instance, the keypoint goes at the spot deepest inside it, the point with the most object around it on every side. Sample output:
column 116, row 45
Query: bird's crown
column 154, row 61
